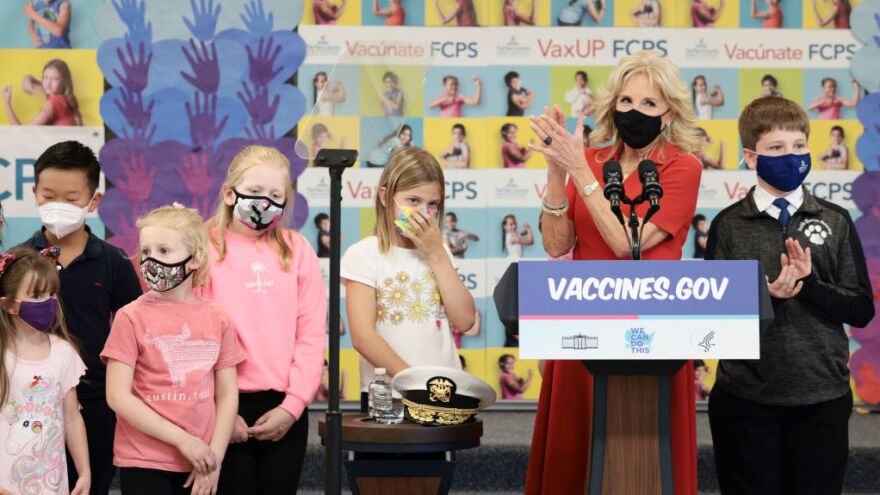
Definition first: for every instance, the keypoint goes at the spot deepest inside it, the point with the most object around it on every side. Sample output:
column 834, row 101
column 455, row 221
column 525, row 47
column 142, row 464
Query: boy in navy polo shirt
column 780, row 423
column 96, row 280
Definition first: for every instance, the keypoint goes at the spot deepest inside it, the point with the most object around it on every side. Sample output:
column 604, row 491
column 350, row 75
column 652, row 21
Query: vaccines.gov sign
column 638, row 310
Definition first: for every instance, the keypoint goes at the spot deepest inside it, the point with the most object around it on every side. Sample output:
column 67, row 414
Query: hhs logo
column 638, row 341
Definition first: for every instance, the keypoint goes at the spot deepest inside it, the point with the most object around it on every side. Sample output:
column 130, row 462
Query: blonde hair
column 189, row 224
column 407, row 169
column 246, row 159
column 44, row 279
column 665, row 76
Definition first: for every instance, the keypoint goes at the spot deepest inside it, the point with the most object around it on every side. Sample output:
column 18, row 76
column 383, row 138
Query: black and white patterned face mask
column 162, row 277
column 257, row 212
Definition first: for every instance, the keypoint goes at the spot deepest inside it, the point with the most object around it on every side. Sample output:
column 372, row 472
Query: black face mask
column 637, row 129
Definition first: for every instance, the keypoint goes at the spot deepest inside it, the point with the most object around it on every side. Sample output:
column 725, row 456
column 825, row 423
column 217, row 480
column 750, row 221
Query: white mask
column 62, row 219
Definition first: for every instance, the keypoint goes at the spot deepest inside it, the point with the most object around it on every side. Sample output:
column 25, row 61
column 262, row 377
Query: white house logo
column 511, row 190
column 320, row 190
column 580, row 342
column 816, row 231
column 323, row 48
column 701, row 51
column 512, row 49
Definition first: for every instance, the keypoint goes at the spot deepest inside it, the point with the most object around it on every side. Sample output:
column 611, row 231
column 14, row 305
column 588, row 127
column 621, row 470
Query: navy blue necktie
column 784, row 215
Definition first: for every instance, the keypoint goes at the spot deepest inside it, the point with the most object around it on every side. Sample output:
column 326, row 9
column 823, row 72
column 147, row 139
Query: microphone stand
column 337, row 161
column 635, row 239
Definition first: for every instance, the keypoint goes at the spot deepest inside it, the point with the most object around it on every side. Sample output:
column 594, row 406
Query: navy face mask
column 785, row 172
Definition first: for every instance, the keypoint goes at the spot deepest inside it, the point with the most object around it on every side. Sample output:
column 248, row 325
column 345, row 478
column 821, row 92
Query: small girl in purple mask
column 39, row 373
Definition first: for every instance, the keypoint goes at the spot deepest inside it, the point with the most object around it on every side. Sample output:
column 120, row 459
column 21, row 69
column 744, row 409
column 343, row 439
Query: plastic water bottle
column 380, row 400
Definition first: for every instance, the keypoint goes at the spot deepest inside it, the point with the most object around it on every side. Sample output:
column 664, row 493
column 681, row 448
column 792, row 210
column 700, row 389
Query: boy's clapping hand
column 796, row 266
column 799, row 259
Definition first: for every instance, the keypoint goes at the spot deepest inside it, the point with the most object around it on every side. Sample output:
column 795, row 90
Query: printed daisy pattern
column 405, row 298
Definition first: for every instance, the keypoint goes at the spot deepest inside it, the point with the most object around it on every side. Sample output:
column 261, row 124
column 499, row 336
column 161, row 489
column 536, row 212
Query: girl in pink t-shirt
column 513, row 154
column 269, row 280
column 512, row 386
column 451, row 102
column 829, row 103
column 171, row 359
column 61, row 106
column 39, row 373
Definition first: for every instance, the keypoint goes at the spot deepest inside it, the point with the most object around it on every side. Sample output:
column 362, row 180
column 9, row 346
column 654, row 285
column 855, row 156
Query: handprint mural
column 186, row 97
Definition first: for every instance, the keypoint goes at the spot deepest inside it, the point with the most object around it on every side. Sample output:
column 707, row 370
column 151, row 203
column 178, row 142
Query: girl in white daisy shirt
column 402, row 289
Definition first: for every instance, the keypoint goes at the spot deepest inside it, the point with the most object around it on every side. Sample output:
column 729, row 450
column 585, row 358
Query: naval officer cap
column 437, row 395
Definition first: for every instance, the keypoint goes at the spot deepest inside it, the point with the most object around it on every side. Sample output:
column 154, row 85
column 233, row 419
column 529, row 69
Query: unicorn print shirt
column 32, row 456
column 174, row 347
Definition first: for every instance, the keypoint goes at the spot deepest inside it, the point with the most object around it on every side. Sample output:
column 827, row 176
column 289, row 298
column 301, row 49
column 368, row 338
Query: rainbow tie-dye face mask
column 402, row 223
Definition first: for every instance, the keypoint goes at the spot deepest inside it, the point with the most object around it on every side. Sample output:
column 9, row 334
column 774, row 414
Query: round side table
column 403, row 458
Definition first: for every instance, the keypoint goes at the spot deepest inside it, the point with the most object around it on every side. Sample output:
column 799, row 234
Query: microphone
column 612, row 175
column 651, row 188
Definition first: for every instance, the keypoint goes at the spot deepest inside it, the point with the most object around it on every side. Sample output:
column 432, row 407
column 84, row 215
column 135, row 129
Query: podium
column 634, row 324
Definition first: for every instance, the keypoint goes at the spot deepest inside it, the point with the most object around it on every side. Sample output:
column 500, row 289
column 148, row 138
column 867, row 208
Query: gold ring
column 281, row 427
column 206, row 477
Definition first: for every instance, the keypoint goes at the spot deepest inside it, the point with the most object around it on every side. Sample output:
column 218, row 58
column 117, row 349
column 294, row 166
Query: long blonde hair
column 67, row 84
column 662, row 73
column 24, row 262
column 188, row 223
column 408, row 168
column 246, row 159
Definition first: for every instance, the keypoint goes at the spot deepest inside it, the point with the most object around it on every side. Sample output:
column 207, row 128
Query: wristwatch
column 588, row 189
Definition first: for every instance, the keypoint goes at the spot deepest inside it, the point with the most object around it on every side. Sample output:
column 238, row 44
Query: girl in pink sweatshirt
column 269, row 281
